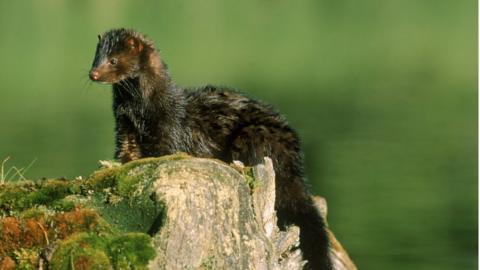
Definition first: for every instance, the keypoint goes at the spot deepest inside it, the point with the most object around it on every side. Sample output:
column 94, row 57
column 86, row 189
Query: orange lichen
column 34, row 233
column 7, row 263
column 17, row 233
column 11, row 228
column 10, row 234
column 77, row 220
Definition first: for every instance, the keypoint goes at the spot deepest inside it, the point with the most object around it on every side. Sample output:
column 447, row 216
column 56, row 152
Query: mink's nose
column 94, row 75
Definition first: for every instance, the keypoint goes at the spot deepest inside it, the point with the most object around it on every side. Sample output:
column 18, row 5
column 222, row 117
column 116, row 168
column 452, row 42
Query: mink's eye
column 113, row 61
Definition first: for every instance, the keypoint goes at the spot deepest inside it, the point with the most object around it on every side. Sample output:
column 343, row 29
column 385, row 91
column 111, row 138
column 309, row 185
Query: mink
column 155, row 117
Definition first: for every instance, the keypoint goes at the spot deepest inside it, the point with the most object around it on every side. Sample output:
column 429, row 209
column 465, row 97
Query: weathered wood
column 218, row 217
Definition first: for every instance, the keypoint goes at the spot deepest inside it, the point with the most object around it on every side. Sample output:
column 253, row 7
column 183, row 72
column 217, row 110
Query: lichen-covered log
column 174, row 212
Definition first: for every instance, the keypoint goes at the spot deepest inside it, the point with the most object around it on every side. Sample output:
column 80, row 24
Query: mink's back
column 217, row 115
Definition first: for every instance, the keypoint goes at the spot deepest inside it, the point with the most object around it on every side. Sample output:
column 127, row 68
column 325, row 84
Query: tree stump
column 219, row 217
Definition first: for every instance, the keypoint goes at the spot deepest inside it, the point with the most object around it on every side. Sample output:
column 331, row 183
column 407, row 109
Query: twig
column 2, row 177
column 44, row 232
column 19, row 173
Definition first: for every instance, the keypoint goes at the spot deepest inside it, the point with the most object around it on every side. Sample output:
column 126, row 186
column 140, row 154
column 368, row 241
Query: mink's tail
column 293, row 203
column 314, row 242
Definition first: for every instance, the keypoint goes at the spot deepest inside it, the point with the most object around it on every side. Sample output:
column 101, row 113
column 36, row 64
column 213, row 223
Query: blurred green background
column 383, row 94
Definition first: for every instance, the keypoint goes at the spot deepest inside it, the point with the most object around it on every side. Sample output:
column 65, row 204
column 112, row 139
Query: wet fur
column 155, row 117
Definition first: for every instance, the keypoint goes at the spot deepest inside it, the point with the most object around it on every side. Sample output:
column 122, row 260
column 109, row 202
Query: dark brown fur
column 155, row 117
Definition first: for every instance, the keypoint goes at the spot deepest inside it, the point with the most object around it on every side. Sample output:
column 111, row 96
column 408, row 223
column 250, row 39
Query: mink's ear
column 134, row 44
column 99, row 37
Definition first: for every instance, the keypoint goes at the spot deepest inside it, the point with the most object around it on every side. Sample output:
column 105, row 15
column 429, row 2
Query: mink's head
column 120, row 54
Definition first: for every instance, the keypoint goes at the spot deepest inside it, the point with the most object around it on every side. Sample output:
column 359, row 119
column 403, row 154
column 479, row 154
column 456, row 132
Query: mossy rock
column 101, row 222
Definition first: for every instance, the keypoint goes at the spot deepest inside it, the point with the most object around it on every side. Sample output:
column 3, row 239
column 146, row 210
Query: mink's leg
column 126, row 145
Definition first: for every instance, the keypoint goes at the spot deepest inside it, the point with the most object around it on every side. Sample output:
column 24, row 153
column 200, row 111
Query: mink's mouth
column 102, row 81
column 95, row 76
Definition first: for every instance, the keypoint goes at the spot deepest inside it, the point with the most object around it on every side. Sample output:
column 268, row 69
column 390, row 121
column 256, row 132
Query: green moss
column 131, row 251
column 250, row 178
column 124, row 179
column 34, row 212
column 104, row 178
column 81, row 251
column 23, row 195
column 91, row 251
column 63, row 205
column 125, row 216
column 12, row 195
column 118, row 192
column 51, row 190
column 133, row 181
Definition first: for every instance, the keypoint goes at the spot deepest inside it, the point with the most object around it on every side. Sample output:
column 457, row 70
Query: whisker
column 86, row 83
